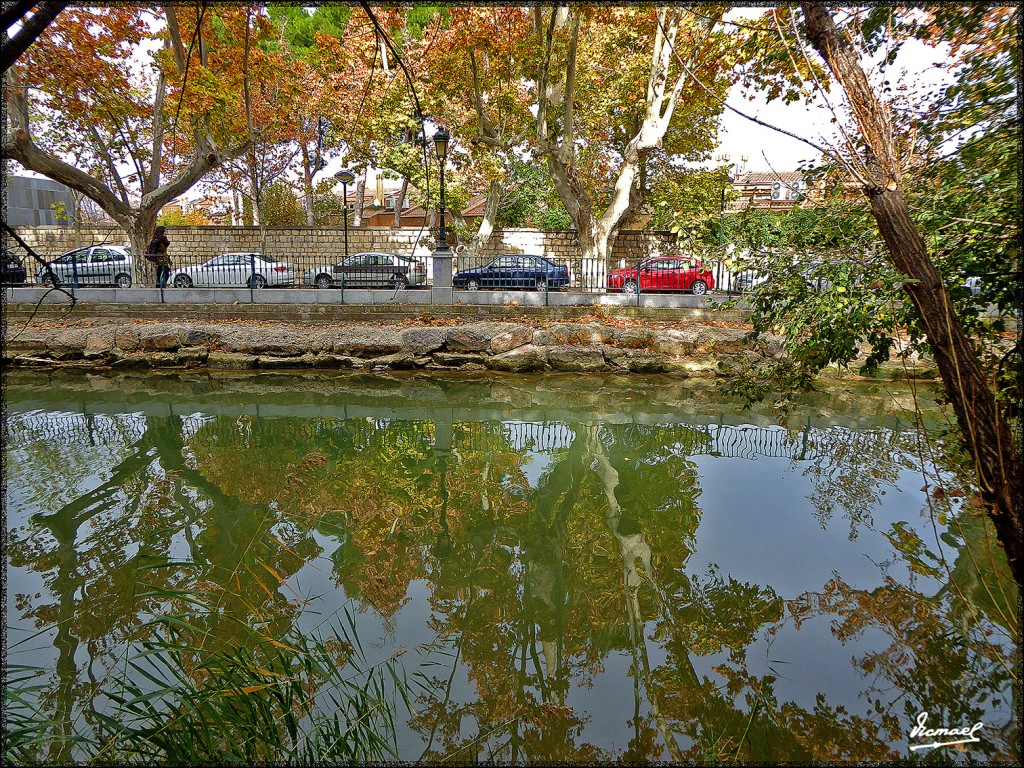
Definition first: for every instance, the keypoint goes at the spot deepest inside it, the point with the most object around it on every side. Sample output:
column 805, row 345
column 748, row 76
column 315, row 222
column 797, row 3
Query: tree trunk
column 307, row 185
column 486, row 228
column 598, row 229
column 140, row 230
column 357, row 211
column 137, row 218
column 400, row 202
column 595, row 249
column 986, row 433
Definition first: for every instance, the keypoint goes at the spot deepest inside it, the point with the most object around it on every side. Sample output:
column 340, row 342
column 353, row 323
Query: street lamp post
column 441, row 288
column 441, row 139
column 346, row 177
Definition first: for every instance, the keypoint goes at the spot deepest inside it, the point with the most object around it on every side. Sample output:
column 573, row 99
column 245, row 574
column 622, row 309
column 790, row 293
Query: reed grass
column 295, row 698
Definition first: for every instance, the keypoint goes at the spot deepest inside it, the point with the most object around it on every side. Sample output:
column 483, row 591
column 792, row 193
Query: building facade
column 34, row 202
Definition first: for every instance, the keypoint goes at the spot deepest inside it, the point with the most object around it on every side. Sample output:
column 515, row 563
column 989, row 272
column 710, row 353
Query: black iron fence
column 644, row 275
column 395, row 271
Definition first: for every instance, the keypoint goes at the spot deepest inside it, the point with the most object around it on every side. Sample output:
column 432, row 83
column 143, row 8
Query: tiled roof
column 475, row 206
column 760, row 177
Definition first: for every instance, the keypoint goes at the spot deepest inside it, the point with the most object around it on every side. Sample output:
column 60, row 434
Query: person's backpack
column 151, row 251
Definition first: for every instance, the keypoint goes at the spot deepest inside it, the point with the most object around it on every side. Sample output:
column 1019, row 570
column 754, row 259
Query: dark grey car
column 369, row 269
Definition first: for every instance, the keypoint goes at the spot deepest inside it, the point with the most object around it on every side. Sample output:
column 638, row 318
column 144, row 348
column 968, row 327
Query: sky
column 769, row 150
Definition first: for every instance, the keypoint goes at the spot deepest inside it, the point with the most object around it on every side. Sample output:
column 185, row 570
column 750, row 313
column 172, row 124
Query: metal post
column 443, row 239
column 721, row 248
column 441, row 289
column 344, row 176
column 252, row 276
column 74, row 273
column 638, row 281
column 344, row 208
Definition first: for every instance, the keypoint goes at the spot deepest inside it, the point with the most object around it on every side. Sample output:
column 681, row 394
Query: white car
column 235, row 270
column 93, row 265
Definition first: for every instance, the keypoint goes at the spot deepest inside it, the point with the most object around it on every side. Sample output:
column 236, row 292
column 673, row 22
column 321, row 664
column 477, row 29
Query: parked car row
column 526, row 271
column 112, row 265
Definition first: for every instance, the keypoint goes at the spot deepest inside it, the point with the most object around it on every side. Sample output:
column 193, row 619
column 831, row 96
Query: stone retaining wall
column 306, row 246
column 516, row 347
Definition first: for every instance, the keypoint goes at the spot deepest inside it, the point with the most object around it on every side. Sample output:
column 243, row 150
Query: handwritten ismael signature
column 967, row 734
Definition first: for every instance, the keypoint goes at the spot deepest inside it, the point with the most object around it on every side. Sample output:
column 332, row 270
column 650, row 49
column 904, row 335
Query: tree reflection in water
column 555, row 557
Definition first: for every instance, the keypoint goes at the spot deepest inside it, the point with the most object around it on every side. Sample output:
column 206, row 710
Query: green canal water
column 575, row 568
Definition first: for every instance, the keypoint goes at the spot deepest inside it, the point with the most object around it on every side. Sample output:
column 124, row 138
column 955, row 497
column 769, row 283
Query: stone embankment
column 598, row 345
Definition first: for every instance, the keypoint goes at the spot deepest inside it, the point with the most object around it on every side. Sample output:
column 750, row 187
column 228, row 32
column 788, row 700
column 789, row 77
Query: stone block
column 268, row 347
column 99, row 344
column 576, row 333
column 366, row 342
column 469, row 338
column 576, row 359
column 126, row 339
column 162, row 359
column 230, row 360
column 509, row 339
column 456, row 359
column 134, row 360
column 307, row 360
column 423, row 340
column 159, row 339
column 520, row 360
column 642, row 362
column 188, row 355
column 193, row 337
column 400, row 361
column 673, row 347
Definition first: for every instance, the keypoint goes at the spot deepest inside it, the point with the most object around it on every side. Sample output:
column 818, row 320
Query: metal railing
column 329, row 270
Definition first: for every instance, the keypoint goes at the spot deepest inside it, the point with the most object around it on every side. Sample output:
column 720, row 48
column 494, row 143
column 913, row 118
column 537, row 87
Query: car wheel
column 257, row 282
column 399, row 282
column 699, row 287
column 472, row 284
column 542, row 284
column 629, row 286
column 123, row 281
column 323, row 281
column 182, row 281
column 48, row 280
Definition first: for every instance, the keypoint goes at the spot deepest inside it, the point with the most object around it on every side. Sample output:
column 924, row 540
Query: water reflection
column 592, row 570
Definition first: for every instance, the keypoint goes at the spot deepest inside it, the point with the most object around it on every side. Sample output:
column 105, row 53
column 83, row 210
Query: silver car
column 92, row 265
column 235, row 270
column 369, row 269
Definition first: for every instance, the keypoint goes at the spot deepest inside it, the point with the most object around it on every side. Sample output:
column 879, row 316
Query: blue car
column 514, row 271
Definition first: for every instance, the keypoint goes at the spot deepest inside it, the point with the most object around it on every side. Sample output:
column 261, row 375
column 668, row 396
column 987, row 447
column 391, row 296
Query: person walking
column 157, row 253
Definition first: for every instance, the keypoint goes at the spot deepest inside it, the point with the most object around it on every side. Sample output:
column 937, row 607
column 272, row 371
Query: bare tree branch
column 30, row 29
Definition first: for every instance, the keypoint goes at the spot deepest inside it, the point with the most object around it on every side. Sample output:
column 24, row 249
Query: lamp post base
column 441, row 288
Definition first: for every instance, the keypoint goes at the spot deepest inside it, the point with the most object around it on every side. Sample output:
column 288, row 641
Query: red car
column 664, row 273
